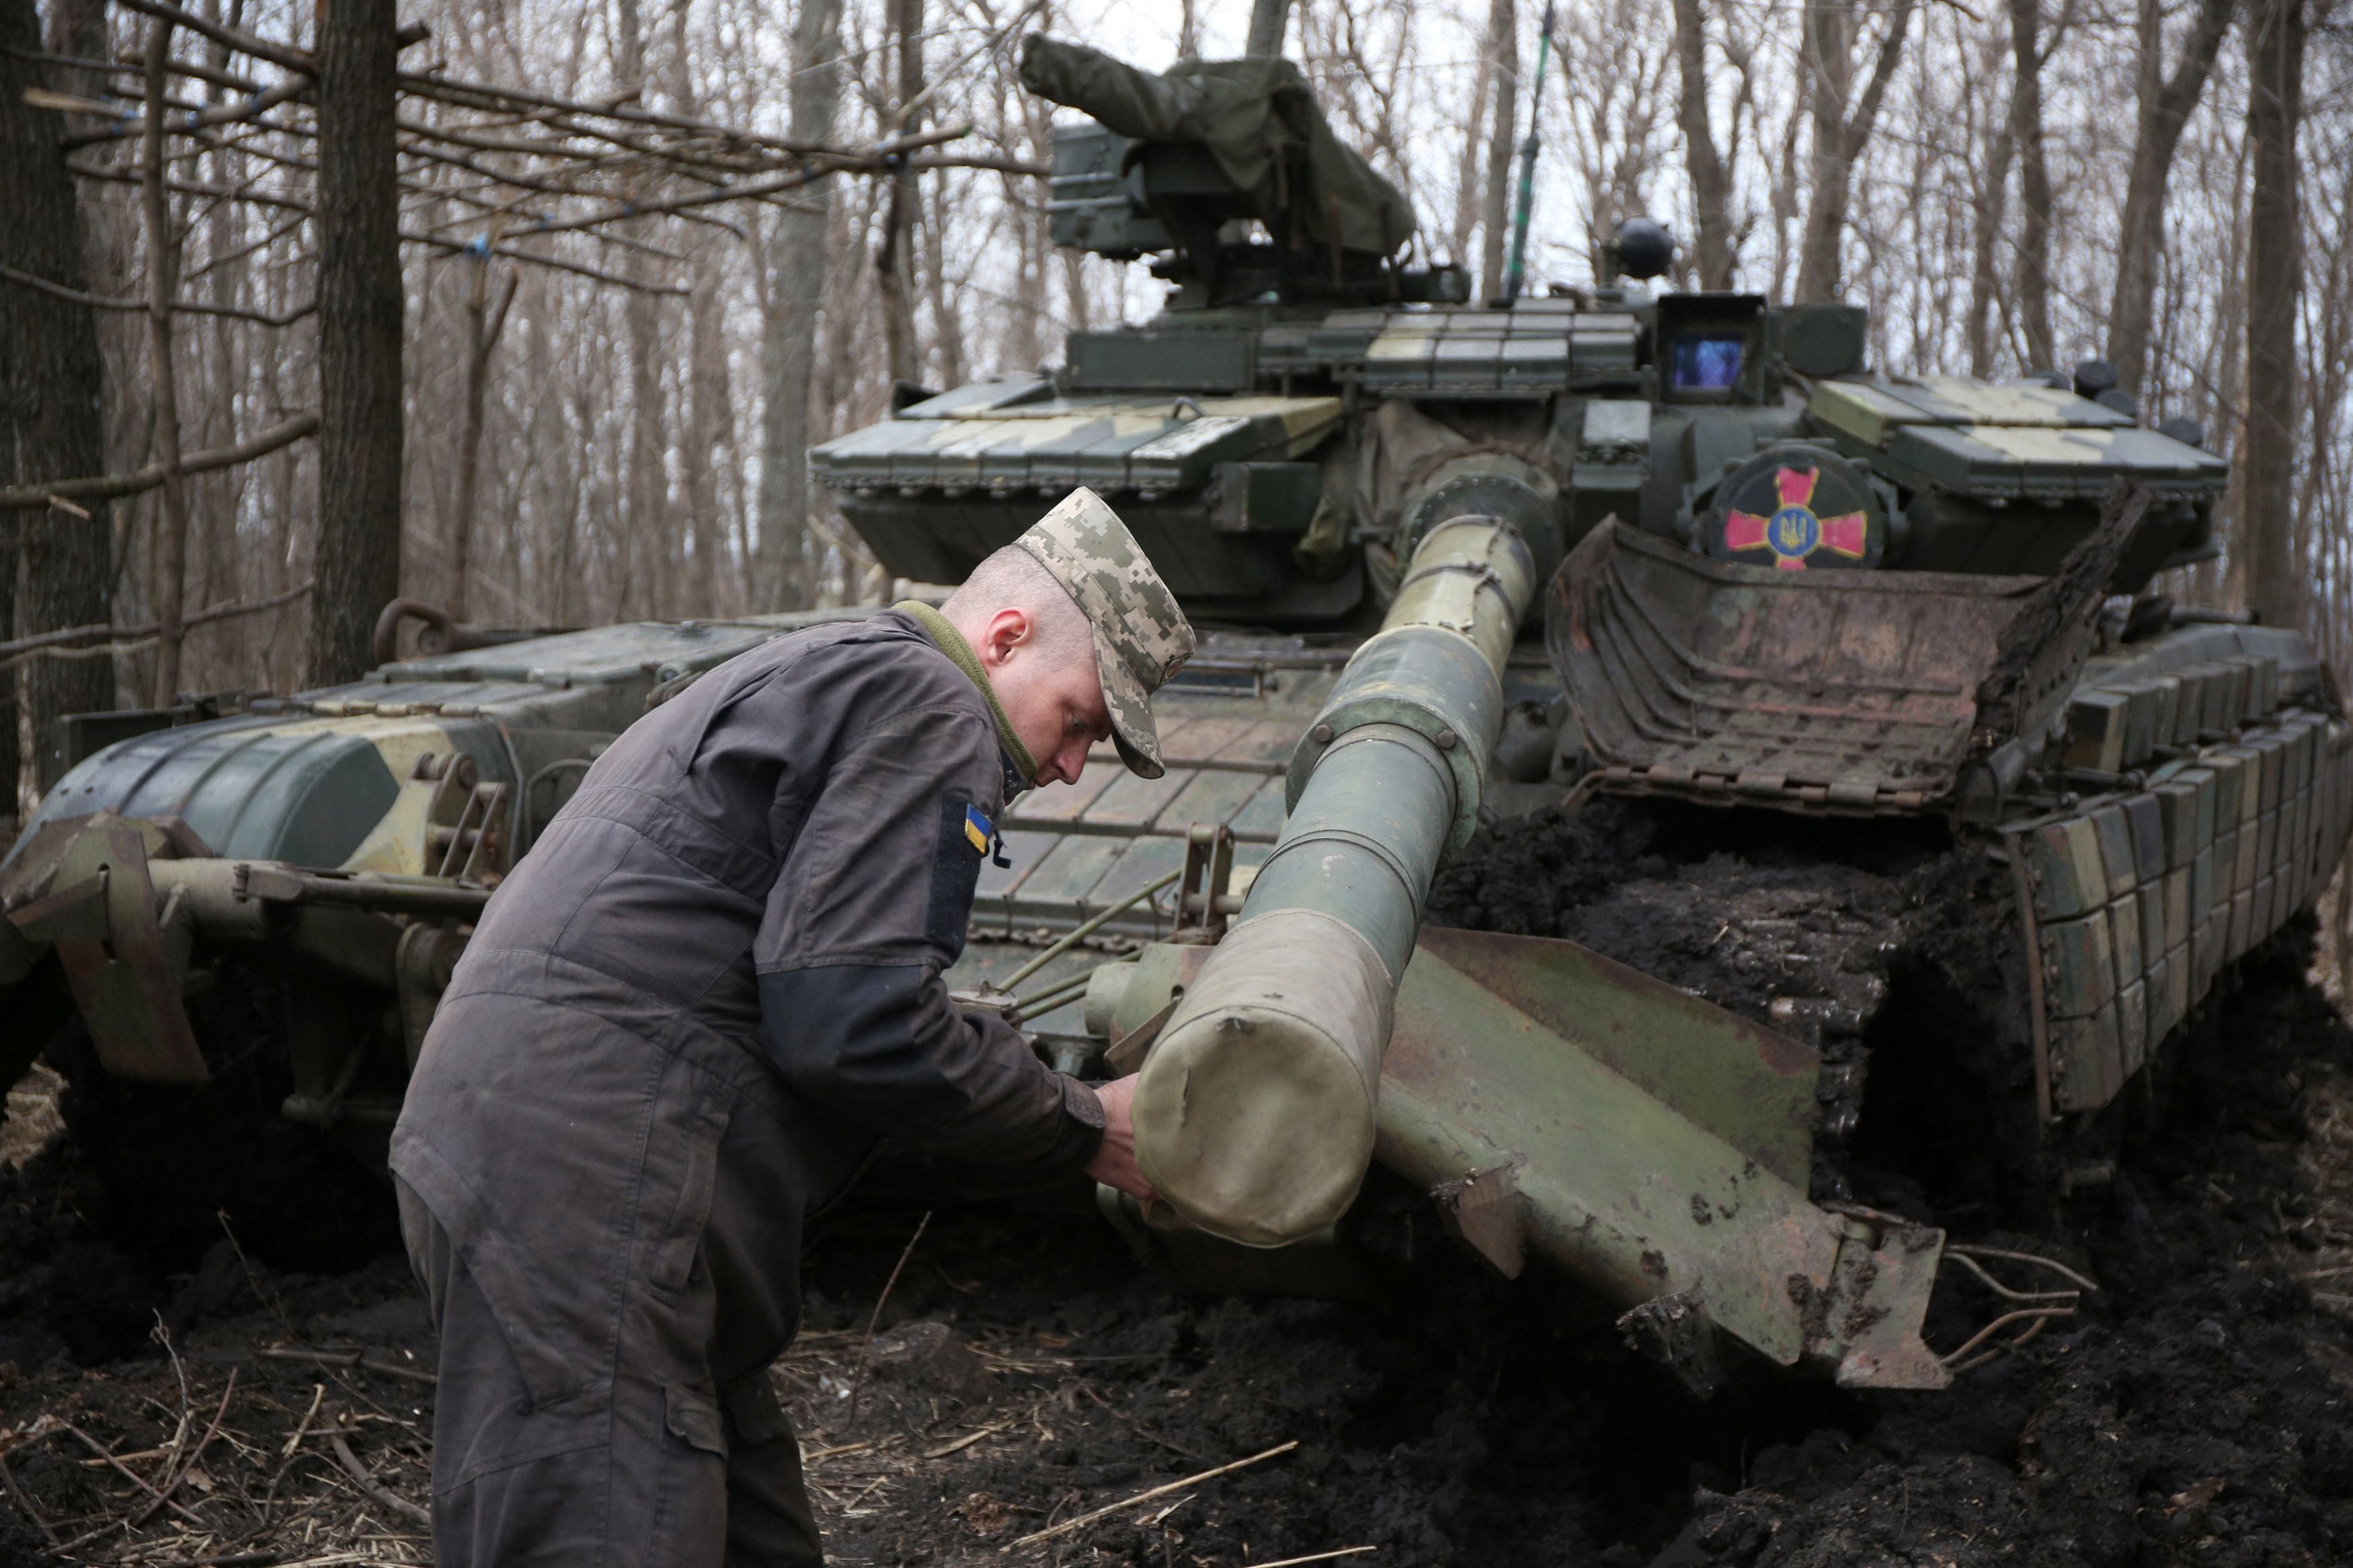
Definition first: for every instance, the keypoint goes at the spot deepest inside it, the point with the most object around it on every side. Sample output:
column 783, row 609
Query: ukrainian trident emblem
column 1794, row 531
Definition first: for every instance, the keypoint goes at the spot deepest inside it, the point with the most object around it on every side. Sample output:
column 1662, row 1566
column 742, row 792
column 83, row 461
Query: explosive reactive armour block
column 2116, row 851
column 2201, row 888
column 2177, row 810
column 2062, row 868
column 2085, row 1068
column 2228, row 768
column 2169, row 708
column 2141, row 814
column 2141, row 722
column 2124, row 935
column 2154, row 938
column 2079, row 965
column 2095, row 730
column 2273, row 749
column 2132, row 1026
column 2243, row 909
column 2176, row 923
column 2200, row 704
column 2206, row 953
column 2177, row 993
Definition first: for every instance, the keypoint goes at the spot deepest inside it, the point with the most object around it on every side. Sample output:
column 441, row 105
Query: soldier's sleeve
column 871, row 907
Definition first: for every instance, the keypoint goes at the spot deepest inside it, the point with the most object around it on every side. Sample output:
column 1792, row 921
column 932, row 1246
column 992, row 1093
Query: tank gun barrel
column 1256, row 1110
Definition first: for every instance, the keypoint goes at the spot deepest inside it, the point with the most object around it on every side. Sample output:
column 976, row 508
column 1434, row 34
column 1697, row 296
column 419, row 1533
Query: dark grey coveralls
column 680, row 1027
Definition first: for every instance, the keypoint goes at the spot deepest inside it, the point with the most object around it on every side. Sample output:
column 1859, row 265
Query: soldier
column 687, row 1016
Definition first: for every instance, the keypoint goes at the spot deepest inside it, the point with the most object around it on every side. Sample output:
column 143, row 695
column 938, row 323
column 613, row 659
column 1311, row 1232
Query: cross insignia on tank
column 1794, row 531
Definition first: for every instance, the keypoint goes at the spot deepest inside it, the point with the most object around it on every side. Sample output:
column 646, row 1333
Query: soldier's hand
column 1114, row 1162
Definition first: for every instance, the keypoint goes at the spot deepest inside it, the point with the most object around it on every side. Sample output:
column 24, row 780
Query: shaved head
column 1038, row 649
column 1012, row 578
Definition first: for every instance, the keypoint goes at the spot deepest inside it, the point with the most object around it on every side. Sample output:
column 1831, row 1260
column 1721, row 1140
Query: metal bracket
column 124, row 967
column 1205, row 897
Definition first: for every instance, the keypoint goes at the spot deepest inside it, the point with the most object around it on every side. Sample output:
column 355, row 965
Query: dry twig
column 866, row 1345
column 376, row 1490
column 1069, row 1524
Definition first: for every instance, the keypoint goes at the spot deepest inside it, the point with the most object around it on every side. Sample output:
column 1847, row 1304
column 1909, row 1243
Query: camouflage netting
column 1250, row 114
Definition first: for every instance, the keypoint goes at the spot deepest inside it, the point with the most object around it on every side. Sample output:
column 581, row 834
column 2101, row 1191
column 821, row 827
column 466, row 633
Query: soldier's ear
column 1006, row 630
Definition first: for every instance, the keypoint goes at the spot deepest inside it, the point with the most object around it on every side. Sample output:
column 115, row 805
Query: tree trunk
column 2275, row 37
column 1711, row 181
column 484, row 322
column 1268, row 18
column 1503, row 39
column 2165, row 107
column 793, row 295
column 895, row 260
column 51, row 426
column 2033, row 257
column 711, row 435
column 1838, row 135
column 162, row 248
column 1469, row 195
column 360, row 310
column 1985, row 243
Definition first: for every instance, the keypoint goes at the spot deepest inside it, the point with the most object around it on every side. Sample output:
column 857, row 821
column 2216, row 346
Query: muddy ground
column 1027, row 1373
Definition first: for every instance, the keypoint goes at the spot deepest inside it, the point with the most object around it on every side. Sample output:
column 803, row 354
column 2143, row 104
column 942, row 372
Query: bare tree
column 360, row 313
column 1989, row 211
column 1469, row 164
column 1841, row 124
column 1711, row 180
column 1503, row 46
column 2164, row 105
column 1266, row 24
column 162, row 251
column 795, row 291
column 49, row 422
column 2028, row 57
column 485, row 322
column 894, row 260
column 2276, row 46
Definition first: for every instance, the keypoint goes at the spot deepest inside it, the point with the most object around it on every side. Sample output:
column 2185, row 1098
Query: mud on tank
column 1686, row 556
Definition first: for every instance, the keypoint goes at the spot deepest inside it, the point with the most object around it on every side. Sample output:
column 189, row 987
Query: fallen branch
column 73, row 637
column 1069, row 1524
column 382, row 1496
column 179, row 306
column 8, row 1477
column 95, row 1446
column 1316, row 1557
column 357, row 1360
column 184, row 1466
column 866, row 1345
column 102, row 486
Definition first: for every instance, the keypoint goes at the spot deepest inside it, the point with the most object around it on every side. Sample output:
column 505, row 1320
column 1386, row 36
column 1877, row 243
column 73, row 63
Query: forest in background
column 650, row 251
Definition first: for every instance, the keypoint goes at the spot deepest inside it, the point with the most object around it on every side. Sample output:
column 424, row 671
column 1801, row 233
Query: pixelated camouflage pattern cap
column 1141, row 636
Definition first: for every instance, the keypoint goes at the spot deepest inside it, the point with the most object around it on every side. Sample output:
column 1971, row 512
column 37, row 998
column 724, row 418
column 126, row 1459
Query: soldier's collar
column 1021, row 764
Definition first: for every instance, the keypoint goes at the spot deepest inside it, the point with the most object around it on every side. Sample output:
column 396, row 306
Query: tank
column 1602, row 555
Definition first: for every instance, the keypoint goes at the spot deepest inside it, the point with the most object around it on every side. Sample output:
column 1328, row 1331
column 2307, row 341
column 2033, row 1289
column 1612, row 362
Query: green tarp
column 1247, row 113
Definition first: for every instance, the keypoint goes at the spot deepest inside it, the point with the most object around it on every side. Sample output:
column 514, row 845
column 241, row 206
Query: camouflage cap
column 1141, row 636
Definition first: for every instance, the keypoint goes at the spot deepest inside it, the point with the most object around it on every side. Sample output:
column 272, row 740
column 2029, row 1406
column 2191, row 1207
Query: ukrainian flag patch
column 976, row 830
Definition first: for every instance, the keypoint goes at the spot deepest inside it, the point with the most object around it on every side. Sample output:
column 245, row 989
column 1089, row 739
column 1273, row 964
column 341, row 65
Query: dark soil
column 2195, row 1412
